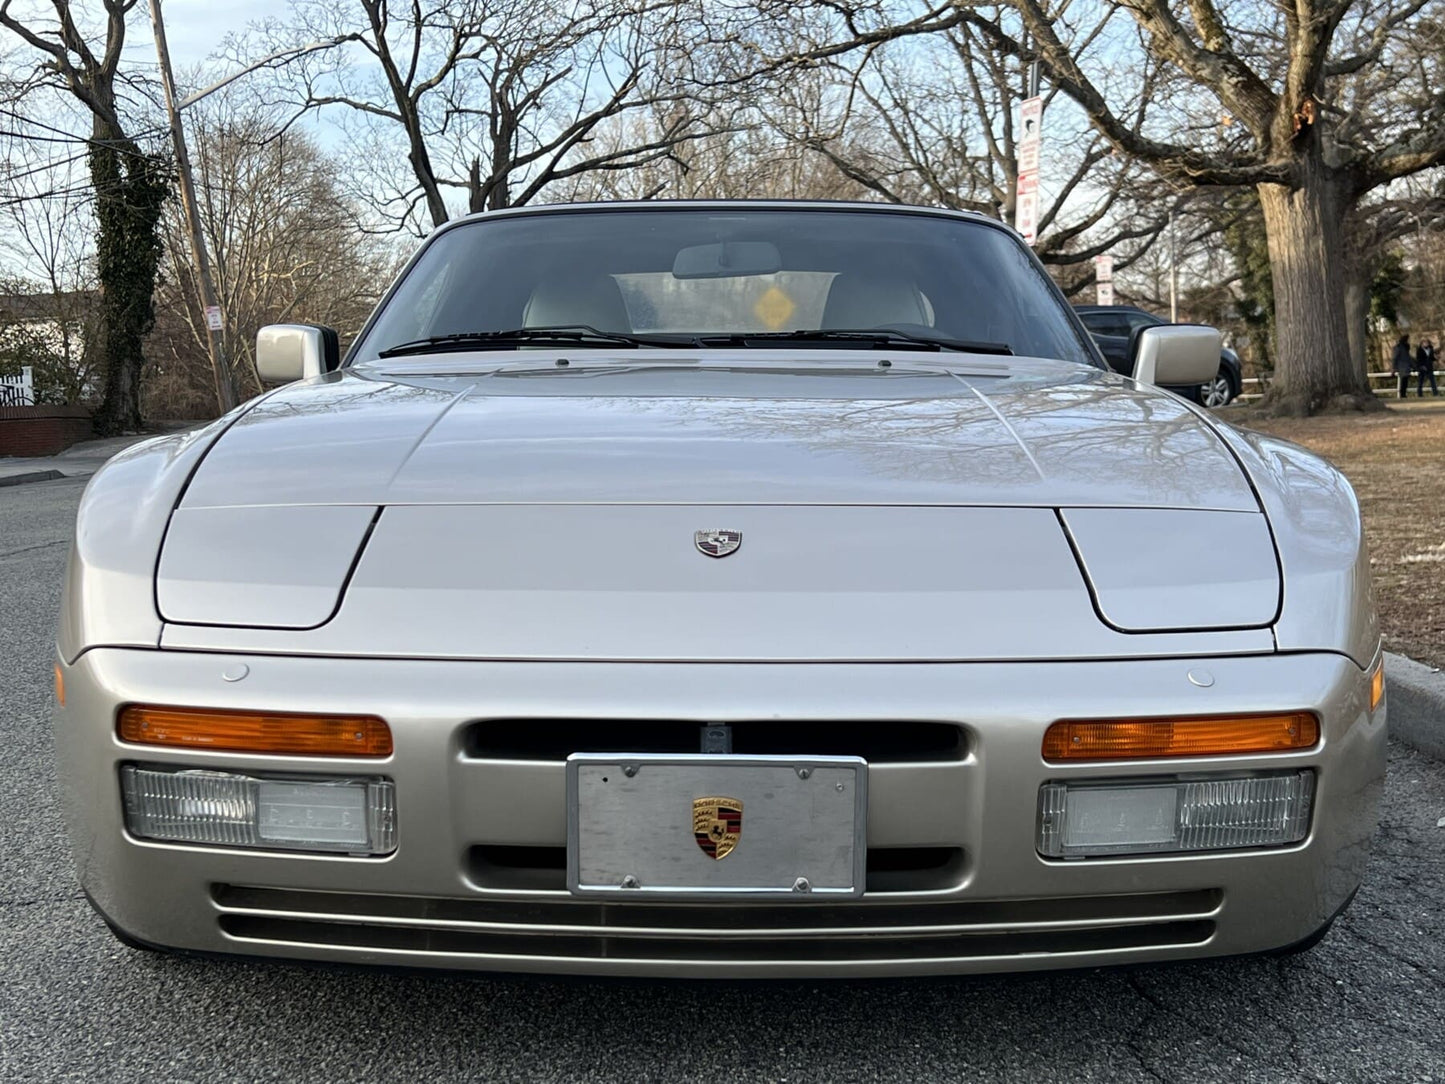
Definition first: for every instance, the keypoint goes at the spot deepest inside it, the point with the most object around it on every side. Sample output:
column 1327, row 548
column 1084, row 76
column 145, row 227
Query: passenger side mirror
column 1176, row 354
column 286, row 352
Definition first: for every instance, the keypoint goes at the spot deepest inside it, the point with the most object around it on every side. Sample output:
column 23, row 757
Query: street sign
column 213, row 318
column 1026, row 201
column 1026, row 208
column 1103, row 280
column 1031, row 122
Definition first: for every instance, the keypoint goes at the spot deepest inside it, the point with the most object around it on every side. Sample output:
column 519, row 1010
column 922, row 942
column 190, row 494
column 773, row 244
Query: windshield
column 673, row 274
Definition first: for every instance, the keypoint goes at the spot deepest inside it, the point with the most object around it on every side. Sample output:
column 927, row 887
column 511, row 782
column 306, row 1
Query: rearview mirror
column 1177, row 354
column 286, row 352
column 726, row 259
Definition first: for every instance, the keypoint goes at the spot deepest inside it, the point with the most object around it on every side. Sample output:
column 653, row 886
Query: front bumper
column 958, row 887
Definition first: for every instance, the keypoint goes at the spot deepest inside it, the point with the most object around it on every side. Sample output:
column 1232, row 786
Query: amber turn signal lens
column 1208, row 736
column 1377, row 685
column 59, row 686
column 256, row 732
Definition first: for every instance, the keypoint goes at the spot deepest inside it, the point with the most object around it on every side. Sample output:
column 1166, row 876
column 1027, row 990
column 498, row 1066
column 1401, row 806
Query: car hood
column 841, row 431
column 1002, row 510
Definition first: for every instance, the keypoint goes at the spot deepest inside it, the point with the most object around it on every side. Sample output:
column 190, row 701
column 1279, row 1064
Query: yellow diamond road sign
column 774, row 308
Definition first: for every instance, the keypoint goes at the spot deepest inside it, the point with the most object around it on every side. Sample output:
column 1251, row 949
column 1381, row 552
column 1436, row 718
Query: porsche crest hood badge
column 717, row 543
column 717, row 823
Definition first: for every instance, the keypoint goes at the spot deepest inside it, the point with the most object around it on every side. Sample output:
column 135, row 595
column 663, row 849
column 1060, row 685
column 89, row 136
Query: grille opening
column 876, row 946
column 914, row 869
column 556, row 739
column 518, row 869
column 865, row 918
column 544, row 869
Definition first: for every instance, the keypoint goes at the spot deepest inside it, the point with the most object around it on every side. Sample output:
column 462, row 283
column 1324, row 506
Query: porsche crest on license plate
column 717, row 822
column 659, row 825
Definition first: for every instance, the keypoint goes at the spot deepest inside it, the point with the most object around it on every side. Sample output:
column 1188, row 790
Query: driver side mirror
column 1177, row 354
column 286, row 352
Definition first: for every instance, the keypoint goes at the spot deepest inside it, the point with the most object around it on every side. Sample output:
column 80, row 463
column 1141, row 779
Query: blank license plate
column 721, row 826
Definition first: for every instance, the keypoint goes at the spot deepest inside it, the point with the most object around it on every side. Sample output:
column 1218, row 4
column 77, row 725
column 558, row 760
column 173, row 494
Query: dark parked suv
column 1113, row 328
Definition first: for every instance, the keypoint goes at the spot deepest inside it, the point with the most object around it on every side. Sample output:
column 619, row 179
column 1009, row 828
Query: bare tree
column 130, row 183
column 932, row 121
column 495, row 100
column 1319, row 102
column 1312, row 104
column 284, row 245
column 46, row 238
column 739, row 157
column 1376, row 227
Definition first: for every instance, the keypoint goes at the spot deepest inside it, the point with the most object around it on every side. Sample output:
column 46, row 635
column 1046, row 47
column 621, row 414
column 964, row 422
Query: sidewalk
column 78, row 461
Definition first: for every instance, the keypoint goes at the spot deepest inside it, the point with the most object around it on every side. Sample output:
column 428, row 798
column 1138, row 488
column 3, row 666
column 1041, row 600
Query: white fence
column 17, row 390
column 1389, row 378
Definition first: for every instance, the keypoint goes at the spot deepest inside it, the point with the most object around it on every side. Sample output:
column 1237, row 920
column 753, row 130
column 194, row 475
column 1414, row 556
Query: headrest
column 859, row 300
column 576, row 298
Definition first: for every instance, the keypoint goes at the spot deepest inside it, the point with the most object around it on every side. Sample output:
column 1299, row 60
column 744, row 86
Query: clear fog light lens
column 1079, row 820
column 352, row 816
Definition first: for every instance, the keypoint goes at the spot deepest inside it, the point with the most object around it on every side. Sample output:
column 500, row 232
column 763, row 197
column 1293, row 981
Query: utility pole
column 1173, row 275
column 210, row 308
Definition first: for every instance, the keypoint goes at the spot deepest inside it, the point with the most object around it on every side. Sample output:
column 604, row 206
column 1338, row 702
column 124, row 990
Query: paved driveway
column 1367, row 1005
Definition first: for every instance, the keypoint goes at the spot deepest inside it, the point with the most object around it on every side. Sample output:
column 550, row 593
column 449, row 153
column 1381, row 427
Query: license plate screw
column 802, row 885
column 803, row 773
column 630, row 881
column 838, row 787
column 629, row 770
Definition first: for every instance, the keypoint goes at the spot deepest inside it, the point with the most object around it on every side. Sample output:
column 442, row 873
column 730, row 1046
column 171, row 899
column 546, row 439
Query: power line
column 71, row 136
column 44, row 168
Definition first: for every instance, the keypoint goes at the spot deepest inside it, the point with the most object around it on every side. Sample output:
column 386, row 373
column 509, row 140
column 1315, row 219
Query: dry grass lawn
column 1396, row 462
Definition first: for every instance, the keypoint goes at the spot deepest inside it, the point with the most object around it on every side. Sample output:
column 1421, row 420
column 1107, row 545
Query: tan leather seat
column 566, row 299
column 866, row 301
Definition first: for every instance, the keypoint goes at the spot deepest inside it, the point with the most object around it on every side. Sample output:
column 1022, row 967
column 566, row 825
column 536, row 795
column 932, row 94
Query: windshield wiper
column 586, row 335
column 564, row 335
column 878, row 338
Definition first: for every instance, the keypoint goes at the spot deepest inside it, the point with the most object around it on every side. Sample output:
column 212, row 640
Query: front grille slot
column 518, row 869
column 866, row 930
column 887, row 742
column 542, row 869
column 467, row 942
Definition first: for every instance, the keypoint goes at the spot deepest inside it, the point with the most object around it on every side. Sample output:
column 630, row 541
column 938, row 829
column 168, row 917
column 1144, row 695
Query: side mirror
column 286, row 352
column 1177, row 354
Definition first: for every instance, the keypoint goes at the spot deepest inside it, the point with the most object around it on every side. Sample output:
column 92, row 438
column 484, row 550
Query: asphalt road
column 1367, row 1005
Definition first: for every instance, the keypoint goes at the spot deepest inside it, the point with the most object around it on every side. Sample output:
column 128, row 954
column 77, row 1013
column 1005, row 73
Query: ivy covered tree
column 130, row 185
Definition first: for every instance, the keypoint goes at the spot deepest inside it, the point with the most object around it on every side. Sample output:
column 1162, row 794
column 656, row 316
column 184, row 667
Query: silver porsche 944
column 721, row 589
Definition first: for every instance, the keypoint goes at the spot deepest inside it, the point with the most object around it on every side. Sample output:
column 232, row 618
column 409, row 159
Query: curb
column 1415, row 700
column 31, row 476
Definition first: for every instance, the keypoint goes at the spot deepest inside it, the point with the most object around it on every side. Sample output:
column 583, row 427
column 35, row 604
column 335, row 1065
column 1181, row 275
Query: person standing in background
column 1402, row 363
column 1425, row 367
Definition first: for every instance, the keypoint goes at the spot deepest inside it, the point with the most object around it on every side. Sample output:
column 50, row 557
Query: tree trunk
column 1304, row 227
column 130, row 192
column 1357, row 315
column 1362, row 250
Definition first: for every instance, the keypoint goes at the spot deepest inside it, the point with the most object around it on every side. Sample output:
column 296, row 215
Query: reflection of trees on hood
column 921, row 426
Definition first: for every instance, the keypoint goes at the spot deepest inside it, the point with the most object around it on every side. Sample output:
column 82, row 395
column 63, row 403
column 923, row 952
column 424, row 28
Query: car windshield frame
column 1075, row 343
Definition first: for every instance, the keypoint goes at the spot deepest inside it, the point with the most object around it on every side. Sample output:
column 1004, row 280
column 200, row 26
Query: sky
column 196, row 28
